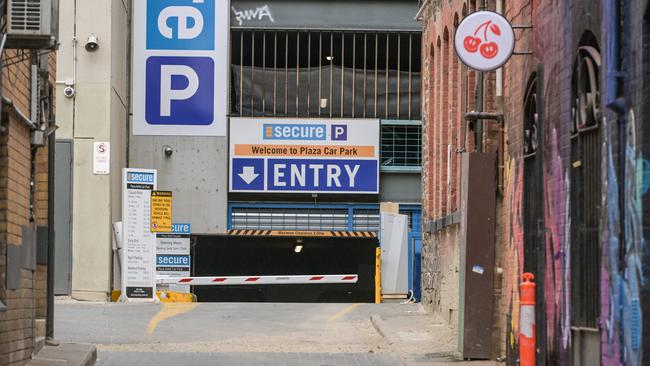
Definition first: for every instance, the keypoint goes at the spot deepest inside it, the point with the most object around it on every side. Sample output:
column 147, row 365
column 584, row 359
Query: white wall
column 96, row 113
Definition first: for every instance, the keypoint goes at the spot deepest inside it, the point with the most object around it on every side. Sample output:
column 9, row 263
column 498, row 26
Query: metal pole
column 540, row 311
column 478, row 129
column 49, row 322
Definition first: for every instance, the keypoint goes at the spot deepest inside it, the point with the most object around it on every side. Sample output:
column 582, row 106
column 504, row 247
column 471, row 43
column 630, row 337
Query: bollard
column 527, row 321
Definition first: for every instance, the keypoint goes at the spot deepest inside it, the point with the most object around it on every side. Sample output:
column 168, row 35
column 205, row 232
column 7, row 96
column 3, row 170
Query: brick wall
column 23, row 208
column 449, row 90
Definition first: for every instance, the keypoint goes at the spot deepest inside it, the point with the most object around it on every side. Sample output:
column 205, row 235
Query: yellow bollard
column 378, row 277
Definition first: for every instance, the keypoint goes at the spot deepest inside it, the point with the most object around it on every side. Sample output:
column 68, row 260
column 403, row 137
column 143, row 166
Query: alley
column 257, row 334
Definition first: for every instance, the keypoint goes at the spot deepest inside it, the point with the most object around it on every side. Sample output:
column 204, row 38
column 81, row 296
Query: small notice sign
column 161, row 211
column 102, row 158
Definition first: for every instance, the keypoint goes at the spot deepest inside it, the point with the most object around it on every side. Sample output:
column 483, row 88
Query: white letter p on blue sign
column 167, row 94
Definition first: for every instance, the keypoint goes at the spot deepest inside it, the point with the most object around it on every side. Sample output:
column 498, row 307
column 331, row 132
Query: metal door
column 63, row 218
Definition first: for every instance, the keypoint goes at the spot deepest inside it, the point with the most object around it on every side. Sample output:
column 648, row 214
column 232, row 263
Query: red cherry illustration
column 471, row 43
column 489, row 50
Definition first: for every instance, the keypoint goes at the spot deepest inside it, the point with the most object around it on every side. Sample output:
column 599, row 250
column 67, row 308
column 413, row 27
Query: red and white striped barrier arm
column 257, row 280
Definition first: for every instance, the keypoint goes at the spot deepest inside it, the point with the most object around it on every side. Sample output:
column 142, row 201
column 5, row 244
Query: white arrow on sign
column 248, row 174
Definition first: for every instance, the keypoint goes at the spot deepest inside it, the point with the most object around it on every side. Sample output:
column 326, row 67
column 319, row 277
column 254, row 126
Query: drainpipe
column 129, row 64
column 540, row 311
column 615, row 101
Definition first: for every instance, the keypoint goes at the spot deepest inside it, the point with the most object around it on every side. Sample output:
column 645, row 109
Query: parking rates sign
column 304, row 155
column 180, row 67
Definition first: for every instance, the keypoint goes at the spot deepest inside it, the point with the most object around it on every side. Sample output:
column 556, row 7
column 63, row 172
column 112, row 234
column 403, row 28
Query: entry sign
column 484, row 40
column 180, row 67
column 304, row 155
column 161, row 211
column 139, row 244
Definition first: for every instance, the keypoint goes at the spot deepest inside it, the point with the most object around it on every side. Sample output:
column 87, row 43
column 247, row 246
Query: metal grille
column 24, row 16
column 307, row 73
column 530, row 203
column 401, row 145
column 366, row 220
column 585, row 190
column 289, row 219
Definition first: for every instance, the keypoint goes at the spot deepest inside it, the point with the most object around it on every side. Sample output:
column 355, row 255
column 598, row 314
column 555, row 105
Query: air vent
column 25, row 16
column 32, row 23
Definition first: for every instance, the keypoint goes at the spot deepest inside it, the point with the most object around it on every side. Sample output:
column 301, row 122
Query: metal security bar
column 332, row 74
column 585, row 191
column 401, row 145
column 531, row 206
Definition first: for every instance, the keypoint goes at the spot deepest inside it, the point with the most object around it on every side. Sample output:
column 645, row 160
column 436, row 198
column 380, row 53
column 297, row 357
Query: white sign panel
column 304, row 155
column 139, row 251
column 101, row 158
column 173, row 254
column 180, row 67
column 484, row 40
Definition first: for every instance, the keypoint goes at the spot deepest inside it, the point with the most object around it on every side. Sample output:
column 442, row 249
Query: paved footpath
column 255, row 334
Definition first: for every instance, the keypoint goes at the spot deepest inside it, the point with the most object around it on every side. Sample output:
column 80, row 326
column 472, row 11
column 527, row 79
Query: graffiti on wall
column 622, row 273
column 514, row 249
column 258, row 13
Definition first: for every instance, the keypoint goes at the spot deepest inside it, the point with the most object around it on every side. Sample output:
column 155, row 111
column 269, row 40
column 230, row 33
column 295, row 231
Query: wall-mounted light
column 298, row 247
column 329, row 58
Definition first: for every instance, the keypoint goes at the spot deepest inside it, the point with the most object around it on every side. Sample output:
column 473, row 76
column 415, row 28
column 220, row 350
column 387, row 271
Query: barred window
column 401, row 145
column 333, row 74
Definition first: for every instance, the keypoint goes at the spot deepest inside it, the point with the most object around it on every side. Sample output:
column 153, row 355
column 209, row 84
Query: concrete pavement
column 248, row 334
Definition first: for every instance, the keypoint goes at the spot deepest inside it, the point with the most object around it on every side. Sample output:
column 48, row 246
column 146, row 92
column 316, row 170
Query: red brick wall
column 22, row 323
column 449, row 92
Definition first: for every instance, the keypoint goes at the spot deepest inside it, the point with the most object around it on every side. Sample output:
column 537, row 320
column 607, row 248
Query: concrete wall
column 197, row 173
column 96, row 113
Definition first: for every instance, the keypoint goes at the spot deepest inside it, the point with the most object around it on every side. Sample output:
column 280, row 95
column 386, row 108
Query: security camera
column 69, row 91
column 168, row 150
column 92, row 44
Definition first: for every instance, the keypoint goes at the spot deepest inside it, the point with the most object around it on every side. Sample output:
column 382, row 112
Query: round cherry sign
column 484, row 40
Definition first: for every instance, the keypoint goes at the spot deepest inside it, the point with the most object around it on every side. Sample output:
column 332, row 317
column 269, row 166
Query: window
column 530, row 200
column 332, row 74
column 585, row 189
column 401, row 146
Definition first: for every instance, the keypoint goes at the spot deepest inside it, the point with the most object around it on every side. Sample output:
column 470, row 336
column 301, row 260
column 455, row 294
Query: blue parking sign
column 180, row 90
column 180, row 25
column 180, row 67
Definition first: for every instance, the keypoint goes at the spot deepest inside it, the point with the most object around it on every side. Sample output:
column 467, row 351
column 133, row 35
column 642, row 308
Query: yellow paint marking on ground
column 169, row 310
column 343, row 312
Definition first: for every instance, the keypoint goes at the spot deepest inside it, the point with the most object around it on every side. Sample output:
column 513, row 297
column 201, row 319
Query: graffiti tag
column 253, row 14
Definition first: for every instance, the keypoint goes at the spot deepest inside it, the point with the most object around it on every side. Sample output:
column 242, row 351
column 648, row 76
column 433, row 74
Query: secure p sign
column 484, row 40
column 181, row 67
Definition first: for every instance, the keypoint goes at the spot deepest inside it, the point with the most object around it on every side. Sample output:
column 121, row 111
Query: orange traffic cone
column 527, row 321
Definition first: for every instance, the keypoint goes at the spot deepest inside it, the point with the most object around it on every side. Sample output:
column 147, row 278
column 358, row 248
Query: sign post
column 139, row 251
column 304, row 156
